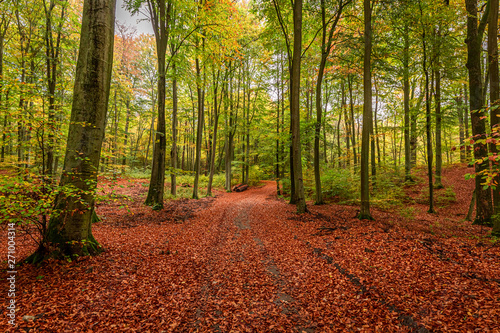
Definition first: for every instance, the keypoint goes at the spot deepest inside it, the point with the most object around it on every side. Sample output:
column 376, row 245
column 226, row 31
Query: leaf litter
column 245, row 262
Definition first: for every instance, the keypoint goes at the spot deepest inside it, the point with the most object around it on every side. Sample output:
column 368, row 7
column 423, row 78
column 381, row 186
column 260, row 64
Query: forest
column 249, row 166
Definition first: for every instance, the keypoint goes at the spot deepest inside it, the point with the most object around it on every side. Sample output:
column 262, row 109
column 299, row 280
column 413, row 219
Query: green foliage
column 139, row 173
column 26, row 200
column 443, row 197
column 339, row 184
column 446, row 197
column 256, row 174
column 407, row 212
column 389, row 191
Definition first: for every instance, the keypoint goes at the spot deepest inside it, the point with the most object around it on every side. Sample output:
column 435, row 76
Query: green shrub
column 139, row 173
column 339, row 183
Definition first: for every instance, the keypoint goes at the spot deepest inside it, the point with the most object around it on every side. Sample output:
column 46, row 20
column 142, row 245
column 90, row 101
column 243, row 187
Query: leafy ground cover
column 245, row 262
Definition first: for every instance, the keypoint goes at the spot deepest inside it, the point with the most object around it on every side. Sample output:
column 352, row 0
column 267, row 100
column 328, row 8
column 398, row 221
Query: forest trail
column 246, row 262
column 257, row 273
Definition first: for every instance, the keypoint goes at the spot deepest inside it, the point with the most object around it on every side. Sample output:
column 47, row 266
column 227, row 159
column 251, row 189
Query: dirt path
column 245, row 262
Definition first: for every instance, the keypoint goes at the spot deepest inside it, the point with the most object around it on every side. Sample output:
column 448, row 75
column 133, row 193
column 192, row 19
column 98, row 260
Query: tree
column 294, row 62
column 295, row 107
column 159, row 12
column 367, row 115
column 425, row 68
column 494, row 101
column 53, row 35
column 326, row 47
column 69, row 228
column 4, row 25
column 477, row 113
column 200, row 93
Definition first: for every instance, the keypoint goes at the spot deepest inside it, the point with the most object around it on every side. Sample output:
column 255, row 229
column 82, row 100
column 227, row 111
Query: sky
column 122, row 16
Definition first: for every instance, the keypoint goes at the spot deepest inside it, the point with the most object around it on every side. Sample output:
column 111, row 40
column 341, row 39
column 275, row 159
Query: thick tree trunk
column 367, row 114
column 70, row 224
column 484, row 207
column 494, row 100
column 160, row 22
column 295, row 108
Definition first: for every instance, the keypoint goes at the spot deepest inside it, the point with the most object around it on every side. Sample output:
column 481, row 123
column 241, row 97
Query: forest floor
column 246, row 262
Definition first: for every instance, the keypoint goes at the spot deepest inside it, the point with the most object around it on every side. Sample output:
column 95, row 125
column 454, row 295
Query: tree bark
column 367, row 114
column 199, row 129
column 460, row 109
column 52, row 51
column 173, row 153
column 439, row 155
column 406, row 94
column 484, row 207
column 427, row 116
column 295, row 108
column 351, row 121
column 4, row 23
column 494, row 101
column 70, row 224
column 214, row 144
column 160, row 19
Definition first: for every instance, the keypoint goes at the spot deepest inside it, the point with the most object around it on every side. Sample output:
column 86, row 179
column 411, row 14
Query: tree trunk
column 427, row 119
column 352, row 125
column 125, row 135
column 229, row 136
column 70, row 225
column 214, row 144
column 460, row 109
column 295, row 108
column 52, row 51
column 325, row 51
column 439, row 156
column 372, row 147
column 494, row 97
column 160, row 23
column 347, row 124
column 173, row 153
column 3, row 29
column 199, row 129
column 367, row 114
column 406, row 93
column 277, row 169
column 484, row 207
